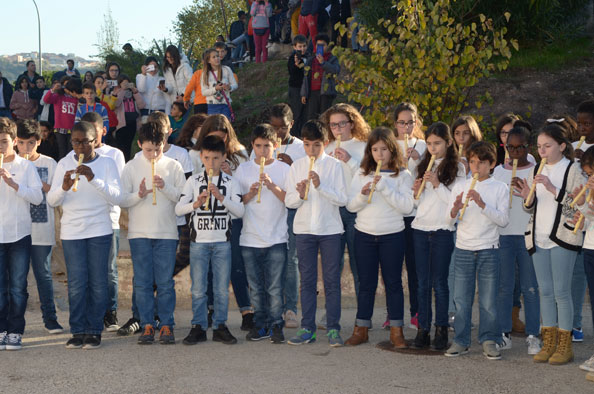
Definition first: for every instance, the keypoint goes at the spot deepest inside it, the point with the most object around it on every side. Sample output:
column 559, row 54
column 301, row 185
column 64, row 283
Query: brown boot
column 397, row 338
column 517, row 324
column 549, row 344
column 359, row 336
column 564, row 352
column 590, row 376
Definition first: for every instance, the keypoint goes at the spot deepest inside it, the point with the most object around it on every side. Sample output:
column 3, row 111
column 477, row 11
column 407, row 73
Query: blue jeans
column 348, row 239
column 433, row 250
column 373, row 252
column 291, row 277
column 238, row 275
column 589, row 271
column 86, row 265
column 218, row 256
column 411, row 267
column 219, row 109
column 41, row 262
column 112, row 272
column 451, row 284
column 578, row 290
column 5, row 113
column 308, row 246
column 239, row 50
column 265, row 270
column 153, row 261
column 513, row 257
column 14, row 267
column 469, row 267
column 554, row 270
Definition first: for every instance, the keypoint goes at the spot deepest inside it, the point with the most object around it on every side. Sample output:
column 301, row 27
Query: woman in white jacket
column 177, row 73
column 149, row 84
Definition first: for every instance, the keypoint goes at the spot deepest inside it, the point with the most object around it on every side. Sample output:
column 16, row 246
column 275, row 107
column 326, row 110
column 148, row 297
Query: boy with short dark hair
column 210, row 197
column 177, row 120
column 296, row 66
column 585, row 127
column 91, row 105
column 316, row 187
column 476, row 257
column 42, row 217
column 20, row 186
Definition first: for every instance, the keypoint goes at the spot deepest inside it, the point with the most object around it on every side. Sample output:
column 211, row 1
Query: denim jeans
column 373, row 252
column 112, row 272
column 308, row 246
column 86, row 264
column 451, row 284
column 238, row 275
column 411, row 267
column 554, row 270
column 239, row 50
column 578, row 290
column 219, row 109
column 41, row 262
column 265, row 270
column 513, row 257
column 14, row 267
column 218, row 256
column 473, row 266
column 291, row 276
column 433, row 250
column 348, row 239
column 153, row 261
column 5, row 113
column 589, row 271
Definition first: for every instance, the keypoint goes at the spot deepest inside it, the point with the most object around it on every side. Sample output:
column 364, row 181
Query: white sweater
column 479, row 228
column 145, row 219
column 356, row 149
column 211, row 94
column 155, row 99
column 176, row 84
column 15, row 222
column 118, row 157
column 421, row 147
column 319, row 215
column 42, row 215
column 86, row 211
column 434, row 202
column 391, row 200
column 518, row 216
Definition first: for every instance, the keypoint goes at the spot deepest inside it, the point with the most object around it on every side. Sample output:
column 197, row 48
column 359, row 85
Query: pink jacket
column 22, row 105
column 119, row 109
column 64, row 109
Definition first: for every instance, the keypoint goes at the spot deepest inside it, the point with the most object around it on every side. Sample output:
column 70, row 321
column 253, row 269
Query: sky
column 72, row 27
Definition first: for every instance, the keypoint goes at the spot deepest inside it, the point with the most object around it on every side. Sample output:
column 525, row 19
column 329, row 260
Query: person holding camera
column 152, row 87
column 129, row 104
column 217, row 82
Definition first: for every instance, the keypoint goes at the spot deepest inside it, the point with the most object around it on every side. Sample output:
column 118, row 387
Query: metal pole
column 39, row 31
column 224, row 19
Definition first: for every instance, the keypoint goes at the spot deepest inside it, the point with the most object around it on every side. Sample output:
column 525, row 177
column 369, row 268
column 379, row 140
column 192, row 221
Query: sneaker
column 588, row 365
column 247, row 321
column 334, row 338
column 111, row 321
column 257, row 334
column 209, row 317
column 414, row 321
column 577, row 335
column 322, row 322
column 3, row 339
column 14, row 342
column 131, row 327
column 490, row 350
column 534, row 345
column 277, row 334
column 291, row 319
column 166, row 336
column 53, row 327
column 506, row 342
column 456, row 350
column 76, row 342
column 148, row 335
column 197, row 334
column 451, row 318
column 303, row 336
column 91, row 342
column 222, row 334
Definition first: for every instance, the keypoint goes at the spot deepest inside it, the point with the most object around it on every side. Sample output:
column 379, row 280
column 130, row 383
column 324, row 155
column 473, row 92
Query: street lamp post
column 39, row 31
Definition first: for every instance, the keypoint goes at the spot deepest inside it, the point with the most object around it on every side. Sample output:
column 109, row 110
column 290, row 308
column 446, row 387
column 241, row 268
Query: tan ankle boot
column 397, row 338
column 564, row 352
column 517, row 324
column 549, row 344
column 590, row 376
column 359, row 336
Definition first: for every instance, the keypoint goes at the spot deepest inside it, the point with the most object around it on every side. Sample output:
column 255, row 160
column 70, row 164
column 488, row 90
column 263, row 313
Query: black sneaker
column 111, row 321
column 197, row 334
column 209, row 317
column 148, row 335
column 247, row 321
column 53, row 327
column 257, row 334
column 223, row 335
column 76, row 342
column 131, row 327
column 92, row 342
column 277, row 334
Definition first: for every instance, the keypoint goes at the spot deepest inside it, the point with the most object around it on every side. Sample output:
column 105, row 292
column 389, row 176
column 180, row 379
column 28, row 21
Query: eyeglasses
column 516, row 148
column 503, row 132
column 402, row 123
column 82, row 143
column 340, row 125
column 281, row 128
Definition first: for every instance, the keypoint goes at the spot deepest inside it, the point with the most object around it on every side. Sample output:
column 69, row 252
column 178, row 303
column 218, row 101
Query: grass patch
column 551, row 57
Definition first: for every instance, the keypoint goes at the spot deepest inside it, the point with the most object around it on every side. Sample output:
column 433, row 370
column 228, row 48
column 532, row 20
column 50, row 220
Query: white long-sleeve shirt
column 118, row 157
column 518, row 216
column 155, row 99
column 356, row 149
column 42, row 215
column 479, row 228
column 209, row 90
column 15, row 216
column 319, row 215
column 392, row 199
column 145, row 219
column 434, row 202
column 421, row 147
column 86, row 211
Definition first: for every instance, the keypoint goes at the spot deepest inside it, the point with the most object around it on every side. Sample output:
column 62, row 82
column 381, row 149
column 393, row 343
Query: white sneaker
column 588, row 365
column 506, row 343
column 14, row 342
column 291, row 319
column 3, row 340
column 534, row 346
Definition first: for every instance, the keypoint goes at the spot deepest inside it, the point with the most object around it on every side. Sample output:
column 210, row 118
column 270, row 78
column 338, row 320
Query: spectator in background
column 177, row 73
column 152, row 87
column 296, row 65
column 70, row 70
column 308, row 19
column 216, row 83
column 177, row 120
column 5, row 97
column 29, row 73
column 128, row 106
column 49, row 144
column 22, row 105
column 200, row 106
column 224, row 54
column 340, row 11
column 293, row 14
column 113, row 72
column 261, row 11
column 37, row 94
column 355, row 35
column 88, row 77
column 238, row 36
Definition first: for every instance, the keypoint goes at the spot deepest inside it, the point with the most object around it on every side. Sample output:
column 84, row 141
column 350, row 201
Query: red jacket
column 64, row 109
